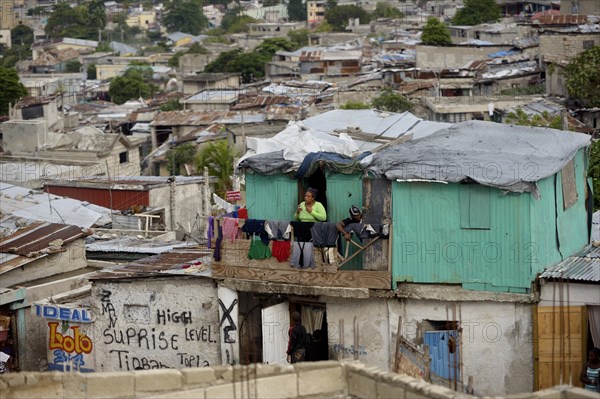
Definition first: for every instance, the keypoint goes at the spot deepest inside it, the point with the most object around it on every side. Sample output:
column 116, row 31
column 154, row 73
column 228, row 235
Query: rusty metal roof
column 262, row 101
column 181, row 261
column 38, row 236
column 190, row 118
column 584, row 267
column 563, row 19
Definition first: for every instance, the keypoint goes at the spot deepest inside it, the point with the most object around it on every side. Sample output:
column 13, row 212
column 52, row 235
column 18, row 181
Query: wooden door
column 559, row 345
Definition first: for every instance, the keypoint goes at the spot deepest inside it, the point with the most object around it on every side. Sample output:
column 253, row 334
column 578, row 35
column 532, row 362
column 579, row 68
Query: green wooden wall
column 271, row 197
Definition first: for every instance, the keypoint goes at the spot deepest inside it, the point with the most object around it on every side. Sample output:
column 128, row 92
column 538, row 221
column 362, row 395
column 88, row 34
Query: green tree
column 476, row 12
column 545, row 119
column 234, row 23
column 184, row 16
column 91, row 72
column 132, row 85
column 21, row 35
column 296, row 10
column 435, row 33
column 338, row 16
column 221, row 62
column 250, row 65
column 67, row 21
column 171, row 105
column 218, row 158
column 270, row 46
column 386, row 10
column 12, row 89
column 96, row 14
column 178, row 156
column 392, row 102
column 299, row 37
column 73, row 66
column 594, row 171
column 355, row 105
column 583, row 77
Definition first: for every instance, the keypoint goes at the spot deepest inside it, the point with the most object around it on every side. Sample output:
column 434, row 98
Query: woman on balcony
column 310, row 210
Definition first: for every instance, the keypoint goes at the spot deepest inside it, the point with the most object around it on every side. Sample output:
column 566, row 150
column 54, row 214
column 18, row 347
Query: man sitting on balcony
column 355, row 217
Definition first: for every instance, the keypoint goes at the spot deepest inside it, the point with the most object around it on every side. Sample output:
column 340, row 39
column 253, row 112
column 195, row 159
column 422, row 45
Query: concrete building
column 5, row 38
column 193, row 84
column 180, row 202
column 315, row 11
column 211, row 100
column 141, row 19
column 581, row 7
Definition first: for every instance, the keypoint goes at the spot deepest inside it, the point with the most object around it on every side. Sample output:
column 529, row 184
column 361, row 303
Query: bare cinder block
column 157, row 380
column 360, row 386
column 197, row 376
column 110, row 385
column 321, row 380
column 285, row 386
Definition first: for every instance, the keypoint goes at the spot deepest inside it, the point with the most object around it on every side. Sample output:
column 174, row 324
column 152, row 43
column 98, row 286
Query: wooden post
column 398, row 334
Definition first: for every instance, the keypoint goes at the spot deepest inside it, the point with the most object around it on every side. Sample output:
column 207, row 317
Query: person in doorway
column 6, row 360
column 591, row 371
column 355, row 217
column 296, row 351
column 310, row 210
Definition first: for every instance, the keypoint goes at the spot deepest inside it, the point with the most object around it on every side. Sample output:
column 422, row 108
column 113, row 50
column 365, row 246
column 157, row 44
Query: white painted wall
column 497, row 340
column 573, row 294
column 229, row 325
column 134, row 308
column 372, row 326
column 188, row 204
column 62, row 262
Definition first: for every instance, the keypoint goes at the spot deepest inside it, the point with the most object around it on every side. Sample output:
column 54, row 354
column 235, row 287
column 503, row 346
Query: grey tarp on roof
column 509, row 157
column 269, row 163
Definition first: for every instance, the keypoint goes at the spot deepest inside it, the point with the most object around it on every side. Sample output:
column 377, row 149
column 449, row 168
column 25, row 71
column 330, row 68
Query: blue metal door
column 444, row 356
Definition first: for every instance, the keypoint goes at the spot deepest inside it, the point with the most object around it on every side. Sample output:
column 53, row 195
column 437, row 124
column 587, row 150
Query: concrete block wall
column 304, row 380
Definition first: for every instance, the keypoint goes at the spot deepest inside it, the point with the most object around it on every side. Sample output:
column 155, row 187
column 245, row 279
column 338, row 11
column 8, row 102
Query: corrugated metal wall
column 572, row 225
column 271, row 197
column 121, row 199
column 429, row 245
column 342, row 192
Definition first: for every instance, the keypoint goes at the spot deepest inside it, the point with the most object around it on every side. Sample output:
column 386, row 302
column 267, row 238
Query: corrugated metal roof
column 134, row 245
column 584, row 266
column 189, row 118
column 569, row 19
column 37, row 205
column 38, row 236
column 189, row 261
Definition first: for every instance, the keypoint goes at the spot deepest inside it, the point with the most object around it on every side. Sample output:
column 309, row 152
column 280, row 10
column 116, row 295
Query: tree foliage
column 184, row 16
column 594, row 171
column 583, row 77
column 338, row 16
column 545, row 119
column 80, row 22
column 91, row 72
column 475, row 12
column 251, row 65
column 435, row 33
column 234, row 22
column 392, row 102
column 73, row 66
column 384, row 9
column 299, row 37
column 296, row 10
column 178, row 156
column 355, row 105
column 21, row 35
column 12, row 89
column 21, row 39
column 218, row 158
column 132, row 85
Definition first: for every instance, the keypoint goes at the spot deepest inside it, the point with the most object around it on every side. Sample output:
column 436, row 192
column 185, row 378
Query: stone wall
column 304, row 380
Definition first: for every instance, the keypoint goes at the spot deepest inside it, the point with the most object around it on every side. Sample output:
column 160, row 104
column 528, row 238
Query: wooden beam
column 375, row 279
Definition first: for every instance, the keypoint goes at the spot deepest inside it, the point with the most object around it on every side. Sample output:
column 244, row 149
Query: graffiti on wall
column 161, row 338
column 70, row 345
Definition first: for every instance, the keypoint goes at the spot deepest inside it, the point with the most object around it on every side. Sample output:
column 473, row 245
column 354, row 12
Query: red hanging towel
column 242, row 213
column 281, row 250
